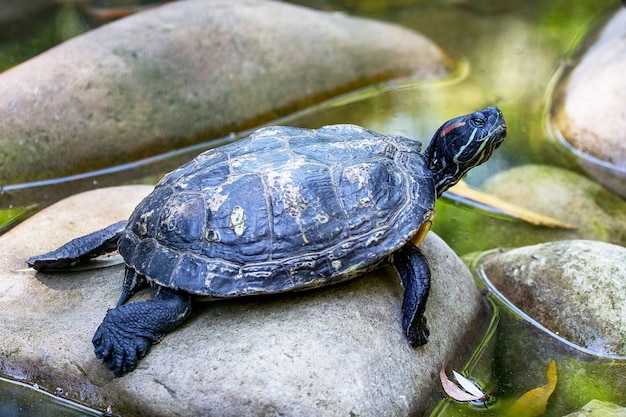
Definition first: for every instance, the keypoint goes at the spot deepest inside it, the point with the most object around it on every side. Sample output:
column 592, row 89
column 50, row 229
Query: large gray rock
column 334, row 351
column 187, row 72
column 575, row 288
column 588, row 111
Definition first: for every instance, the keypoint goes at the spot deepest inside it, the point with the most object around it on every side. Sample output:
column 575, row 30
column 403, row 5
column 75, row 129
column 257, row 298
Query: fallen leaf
column 463, row 192
column 468, row 385
column 456, row 392
column 533, row 403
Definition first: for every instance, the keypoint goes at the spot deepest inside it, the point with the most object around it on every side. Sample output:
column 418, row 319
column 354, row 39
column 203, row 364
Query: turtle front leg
column 128, row 330
column 415, row 277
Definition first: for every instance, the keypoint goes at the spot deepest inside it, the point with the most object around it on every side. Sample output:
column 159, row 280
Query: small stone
column 597, row 408
column 567, row 196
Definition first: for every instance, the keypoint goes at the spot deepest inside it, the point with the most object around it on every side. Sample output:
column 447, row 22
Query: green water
column 513, row 359
column 508, row 53
column 19, row 400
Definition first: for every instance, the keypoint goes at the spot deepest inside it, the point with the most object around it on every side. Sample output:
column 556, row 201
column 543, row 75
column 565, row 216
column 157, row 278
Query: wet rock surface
column 187, row 72
column 589, row 112
column 596, row 408
column 592, row 211
column 575, row 288
column 333, row 351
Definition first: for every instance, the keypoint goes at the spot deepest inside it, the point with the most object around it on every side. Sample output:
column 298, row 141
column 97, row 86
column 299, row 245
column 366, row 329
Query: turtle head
column 462, row 143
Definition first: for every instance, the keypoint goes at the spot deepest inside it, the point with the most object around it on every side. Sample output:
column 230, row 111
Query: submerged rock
column 334, row 351
column 575, row 288
column 588, row 112
column 596, row 408
column 187, row 72
column 594, row 212
column 565, row 290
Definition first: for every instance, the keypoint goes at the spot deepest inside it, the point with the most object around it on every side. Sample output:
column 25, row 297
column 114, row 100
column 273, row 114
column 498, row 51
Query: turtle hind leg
column 128, row 331
column 133, row 282
column 415, row 277
column 79, row 249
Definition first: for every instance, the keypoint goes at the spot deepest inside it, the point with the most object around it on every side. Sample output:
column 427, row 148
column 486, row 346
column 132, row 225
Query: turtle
column 285, row 209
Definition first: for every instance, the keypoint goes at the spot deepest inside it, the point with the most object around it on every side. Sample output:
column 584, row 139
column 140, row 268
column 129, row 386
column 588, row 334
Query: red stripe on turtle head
column 453, row 126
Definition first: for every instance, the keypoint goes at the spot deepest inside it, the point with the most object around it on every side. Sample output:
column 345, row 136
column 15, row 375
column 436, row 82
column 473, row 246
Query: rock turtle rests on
column 285, row 209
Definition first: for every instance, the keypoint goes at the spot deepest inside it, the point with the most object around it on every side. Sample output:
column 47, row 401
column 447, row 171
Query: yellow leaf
column 533, row 403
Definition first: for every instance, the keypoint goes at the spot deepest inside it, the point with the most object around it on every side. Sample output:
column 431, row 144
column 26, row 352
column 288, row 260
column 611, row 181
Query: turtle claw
column 128, row 331
column 418, row 335
column 80, row 249
column 118, row 348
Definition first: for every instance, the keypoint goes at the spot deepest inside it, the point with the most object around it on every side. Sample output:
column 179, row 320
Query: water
column 21, row 400
column 508, row 54
column 514, row 356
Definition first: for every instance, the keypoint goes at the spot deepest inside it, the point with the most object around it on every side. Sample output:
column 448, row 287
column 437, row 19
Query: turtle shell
column 285, row 209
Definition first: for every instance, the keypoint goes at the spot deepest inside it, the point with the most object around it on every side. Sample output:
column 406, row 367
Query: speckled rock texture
column 187, row 72
column 334, row 351
column 575, row 288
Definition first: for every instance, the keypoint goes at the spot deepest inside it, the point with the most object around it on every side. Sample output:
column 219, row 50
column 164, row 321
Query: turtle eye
column 478, row 122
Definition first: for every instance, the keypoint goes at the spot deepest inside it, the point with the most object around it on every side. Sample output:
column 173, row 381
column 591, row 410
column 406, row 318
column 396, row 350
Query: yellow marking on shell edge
column 421, row 233
column 306, row 241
